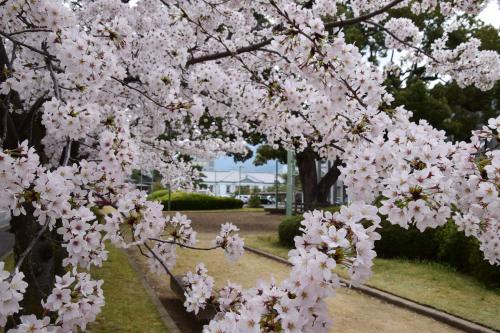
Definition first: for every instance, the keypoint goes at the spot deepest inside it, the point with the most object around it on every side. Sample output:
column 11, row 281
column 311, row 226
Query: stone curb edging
column 165, row 317
column 457, row 322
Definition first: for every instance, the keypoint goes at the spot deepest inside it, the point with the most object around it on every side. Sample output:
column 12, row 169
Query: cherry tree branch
column 32, row 48
column 185, row 246
column 125, row 84
column 359, row 19
column 159, row 260
column 29, row 30
column 23, row 256
column 225, row 54
column 258, row 46
column 387, row 31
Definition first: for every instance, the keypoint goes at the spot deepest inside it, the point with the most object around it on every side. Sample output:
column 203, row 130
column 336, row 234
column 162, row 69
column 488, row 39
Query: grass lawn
column 424, row 282
column 128, row 307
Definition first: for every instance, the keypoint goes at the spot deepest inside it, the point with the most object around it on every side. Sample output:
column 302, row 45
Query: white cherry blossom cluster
column 337, row 239
column 12, row 288
column 144, row 218
column 77, row 300
column 31, row 323
column 448, row 7
column 178, row 232
column 467, row 63
column 123, row 87
column 230, row 241
column 297, row 304
column 404, row 34
column 198, row 288
column 18, row 170
column 83, row 240
column 410, row 173
column 69, row 121
column 478, row 201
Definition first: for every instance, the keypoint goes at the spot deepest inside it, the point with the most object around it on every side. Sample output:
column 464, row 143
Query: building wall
column 226, row 189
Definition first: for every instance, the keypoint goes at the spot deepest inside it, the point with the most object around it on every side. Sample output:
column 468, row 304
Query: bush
column 254, row 201
column 157, row 194
column 444, row 244
column 288, row 229
column 195, row 201
column 406, row 243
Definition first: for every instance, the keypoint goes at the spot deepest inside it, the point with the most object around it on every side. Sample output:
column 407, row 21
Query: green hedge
column 288, row 229
column 444, row 244
column 195, row 201
column 158, row 194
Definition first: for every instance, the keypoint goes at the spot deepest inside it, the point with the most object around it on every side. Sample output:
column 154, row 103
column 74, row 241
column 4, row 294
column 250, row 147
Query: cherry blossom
column 106, row 87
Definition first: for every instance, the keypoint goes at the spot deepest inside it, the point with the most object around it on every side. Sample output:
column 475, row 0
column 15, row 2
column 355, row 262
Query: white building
column 224, row 183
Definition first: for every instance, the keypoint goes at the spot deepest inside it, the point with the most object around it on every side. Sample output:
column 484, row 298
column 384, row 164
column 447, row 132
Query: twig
column 159, row 260
column 167, row 107
column 359, row 19
column 402, row 41
column 32, row 48
column 29, row 30
column 186, row 246
column 67, row 152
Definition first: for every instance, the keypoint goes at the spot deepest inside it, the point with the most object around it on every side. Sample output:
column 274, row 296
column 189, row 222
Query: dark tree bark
column 41, row 265
column 315, row 193
column 44, row 261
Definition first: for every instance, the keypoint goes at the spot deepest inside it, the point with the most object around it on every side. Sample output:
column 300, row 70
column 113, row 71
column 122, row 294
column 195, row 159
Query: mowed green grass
column 425, row 282
column 128, row 307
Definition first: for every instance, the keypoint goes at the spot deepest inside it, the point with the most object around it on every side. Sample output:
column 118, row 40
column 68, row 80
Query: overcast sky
column 491, row 14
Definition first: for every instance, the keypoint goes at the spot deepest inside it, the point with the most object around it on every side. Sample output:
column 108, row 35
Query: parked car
column 243, row 197
column 265, row 200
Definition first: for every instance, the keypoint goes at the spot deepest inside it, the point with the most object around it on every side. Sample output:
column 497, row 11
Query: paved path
column 6, row 238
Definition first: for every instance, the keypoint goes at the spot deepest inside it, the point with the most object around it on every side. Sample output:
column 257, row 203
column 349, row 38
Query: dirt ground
column 351, row 311
column 207, row 221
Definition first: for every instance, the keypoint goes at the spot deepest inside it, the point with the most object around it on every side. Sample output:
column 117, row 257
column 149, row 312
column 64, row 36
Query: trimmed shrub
column 444, row 244
column 288, row 229
column 196, row 201
column 406, row 243
column 254, row 201
column 157, row 194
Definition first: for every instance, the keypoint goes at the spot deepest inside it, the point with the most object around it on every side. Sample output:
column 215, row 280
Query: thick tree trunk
column 306, row 162
column 44, row 261
column 315, row 193
column 39, row 266
column 327, row 181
